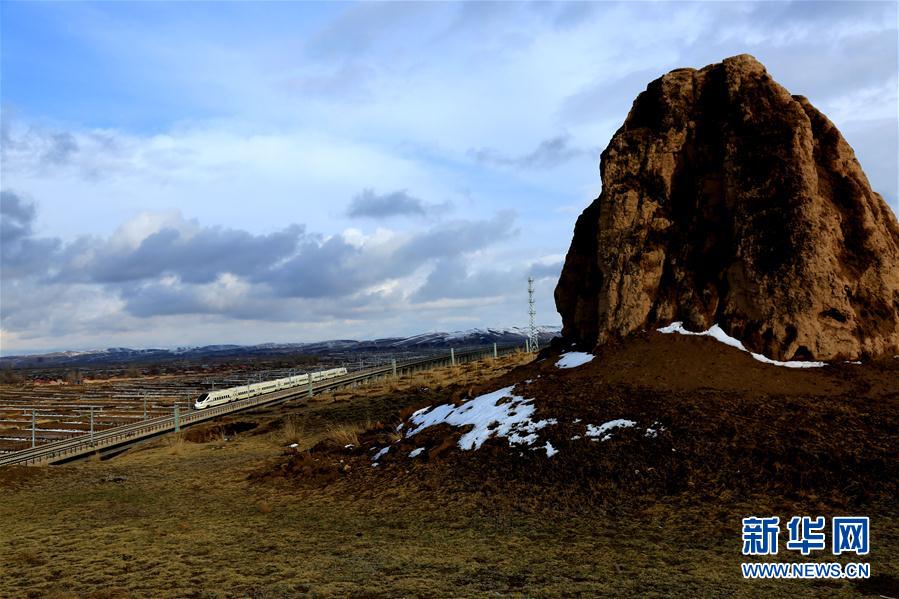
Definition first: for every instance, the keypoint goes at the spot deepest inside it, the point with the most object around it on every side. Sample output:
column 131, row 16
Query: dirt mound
column 727, row 200
column 651, row 416
column 312, row 468
column 217, row 431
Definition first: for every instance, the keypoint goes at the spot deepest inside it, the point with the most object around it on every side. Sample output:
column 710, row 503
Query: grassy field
column 179, row 518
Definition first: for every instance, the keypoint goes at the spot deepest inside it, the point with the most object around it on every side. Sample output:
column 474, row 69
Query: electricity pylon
column 532, row 313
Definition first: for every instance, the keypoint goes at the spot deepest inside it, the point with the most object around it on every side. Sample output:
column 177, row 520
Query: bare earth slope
column 725, row 426
column 727, row 200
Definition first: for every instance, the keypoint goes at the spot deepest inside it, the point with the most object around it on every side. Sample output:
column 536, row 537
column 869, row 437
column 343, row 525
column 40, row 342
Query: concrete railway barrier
column 120, row 436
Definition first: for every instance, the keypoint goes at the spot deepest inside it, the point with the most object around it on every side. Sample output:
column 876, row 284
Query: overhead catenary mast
column 533, row 344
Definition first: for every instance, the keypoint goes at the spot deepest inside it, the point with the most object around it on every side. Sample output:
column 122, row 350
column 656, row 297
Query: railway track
column 120, row 436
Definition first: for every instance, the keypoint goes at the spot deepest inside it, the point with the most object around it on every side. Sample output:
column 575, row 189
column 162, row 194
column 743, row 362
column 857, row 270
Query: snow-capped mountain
column 434, row 340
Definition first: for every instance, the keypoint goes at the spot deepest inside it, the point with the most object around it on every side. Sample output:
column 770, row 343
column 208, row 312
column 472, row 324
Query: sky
column 178, row 174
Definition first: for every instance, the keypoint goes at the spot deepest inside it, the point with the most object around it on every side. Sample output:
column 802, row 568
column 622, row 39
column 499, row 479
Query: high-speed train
column 223, row 396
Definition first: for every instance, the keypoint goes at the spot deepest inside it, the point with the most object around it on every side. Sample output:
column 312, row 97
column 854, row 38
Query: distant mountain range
column 425, row 341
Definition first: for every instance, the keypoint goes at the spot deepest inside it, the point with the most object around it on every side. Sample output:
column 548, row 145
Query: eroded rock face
column 727, row 200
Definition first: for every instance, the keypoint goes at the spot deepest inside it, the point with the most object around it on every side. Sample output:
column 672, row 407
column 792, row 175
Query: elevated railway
column 117, row 438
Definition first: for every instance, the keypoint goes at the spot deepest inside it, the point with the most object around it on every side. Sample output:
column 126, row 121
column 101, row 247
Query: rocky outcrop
column 727, row 200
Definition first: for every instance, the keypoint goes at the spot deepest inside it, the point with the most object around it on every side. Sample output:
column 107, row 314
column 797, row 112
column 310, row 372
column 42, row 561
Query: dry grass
column 61, row 594
column 176, row 444
column 346, row 434
column 148, row 536
column 292, row 431
column 29, row 557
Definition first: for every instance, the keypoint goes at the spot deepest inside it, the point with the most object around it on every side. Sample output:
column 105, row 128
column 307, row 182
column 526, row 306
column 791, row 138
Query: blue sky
column 189, row 173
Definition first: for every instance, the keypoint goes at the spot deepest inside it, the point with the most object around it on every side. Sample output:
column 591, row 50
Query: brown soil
column 219, row 430
column 732, row 428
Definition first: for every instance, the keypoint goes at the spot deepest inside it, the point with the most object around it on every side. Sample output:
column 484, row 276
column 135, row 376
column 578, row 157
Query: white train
column 223, row 396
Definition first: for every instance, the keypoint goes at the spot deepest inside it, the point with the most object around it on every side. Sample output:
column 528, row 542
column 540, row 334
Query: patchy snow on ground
column 378, row 455
column 416, row 452
column 550, row 450
column 58, row 430
column 573, row 359
column 718, row 334
column 496, row 414
column 603, row 431
column 653, row 431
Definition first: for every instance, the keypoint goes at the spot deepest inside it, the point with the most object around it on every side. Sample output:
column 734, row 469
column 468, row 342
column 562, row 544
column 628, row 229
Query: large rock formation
column 727, row 200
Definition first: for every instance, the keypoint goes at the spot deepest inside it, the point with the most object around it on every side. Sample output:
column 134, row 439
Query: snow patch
column 603, row 431
column 653, row 431
column 378, row 455
column 573, row 359
column 416, row 452
column 499, row 414
column 718, row 334
column 550, row 450
column 57, row 430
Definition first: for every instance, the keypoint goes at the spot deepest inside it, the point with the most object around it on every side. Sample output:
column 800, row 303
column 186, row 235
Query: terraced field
column 33, row 414
column 51, row 405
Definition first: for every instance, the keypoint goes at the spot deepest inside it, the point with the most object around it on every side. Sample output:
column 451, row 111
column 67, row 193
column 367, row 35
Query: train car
column 223, row 396
column 214, row 398
column 328, row 374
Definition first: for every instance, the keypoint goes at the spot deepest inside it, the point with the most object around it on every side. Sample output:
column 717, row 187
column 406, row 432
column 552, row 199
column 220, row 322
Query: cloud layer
column 166, row 266
column 355, row 169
